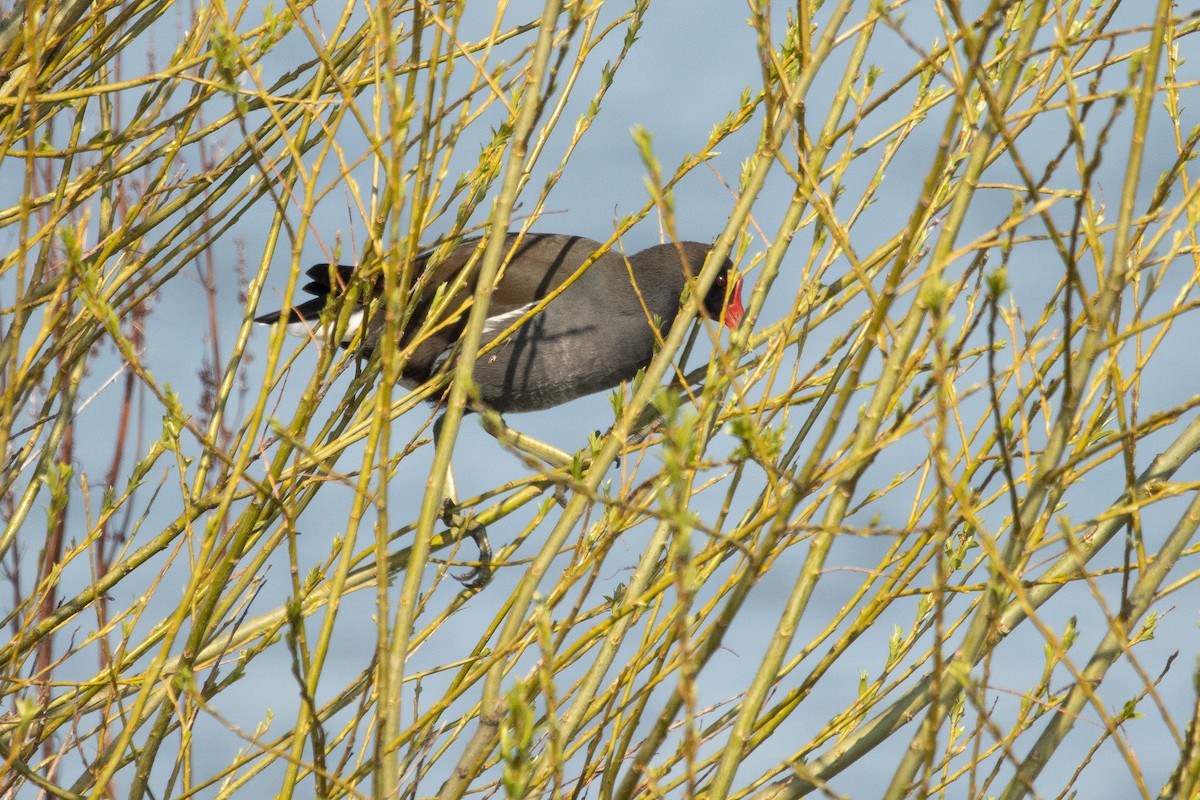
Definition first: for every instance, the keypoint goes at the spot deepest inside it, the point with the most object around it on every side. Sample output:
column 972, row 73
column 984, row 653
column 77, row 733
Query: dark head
column 721, row 296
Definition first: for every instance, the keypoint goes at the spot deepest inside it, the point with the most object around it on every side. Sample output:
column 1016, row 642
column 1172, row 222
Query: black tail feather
column 325, row 283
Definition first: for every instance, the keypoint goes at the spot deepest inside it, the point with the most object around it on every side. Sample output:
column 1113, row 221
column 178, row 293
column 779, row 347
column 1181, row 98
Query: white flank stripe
column 500, row 322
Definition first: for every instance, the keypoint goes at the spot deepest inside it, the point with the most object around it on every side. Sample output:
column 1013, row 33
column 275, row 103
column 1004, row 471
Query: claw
column 479, row 576
column 597, row 435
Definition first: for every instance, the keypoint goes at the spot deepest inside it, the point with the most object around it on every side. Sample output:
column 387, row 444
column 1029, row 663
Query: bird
column 598, row 332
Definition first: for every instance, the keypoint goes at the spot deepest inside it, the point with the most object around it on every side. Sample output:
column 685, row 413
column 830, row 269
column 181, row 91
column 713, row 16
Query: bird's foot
column 597, row 438
column 479, row 576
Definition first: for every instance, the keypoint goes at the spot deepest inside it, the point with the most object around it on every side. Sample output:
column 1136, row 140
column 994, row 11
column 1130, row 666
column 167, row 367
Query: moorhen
column 595, row 334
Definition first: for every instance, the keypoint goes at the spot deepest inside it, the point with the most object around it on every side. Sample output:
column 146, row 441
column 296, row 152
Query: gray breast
column 590, row 338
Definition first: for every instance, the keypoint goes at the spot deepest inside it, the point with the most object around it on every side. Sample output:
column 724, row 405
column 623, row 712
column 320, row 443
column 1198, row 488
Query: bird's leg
column 494, row 424
column 536, row 450
column 476, row 577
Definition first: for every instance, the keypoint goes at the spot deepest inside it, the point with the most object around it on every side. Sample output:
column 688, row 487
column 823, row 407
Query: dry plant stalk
column 926, row 496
